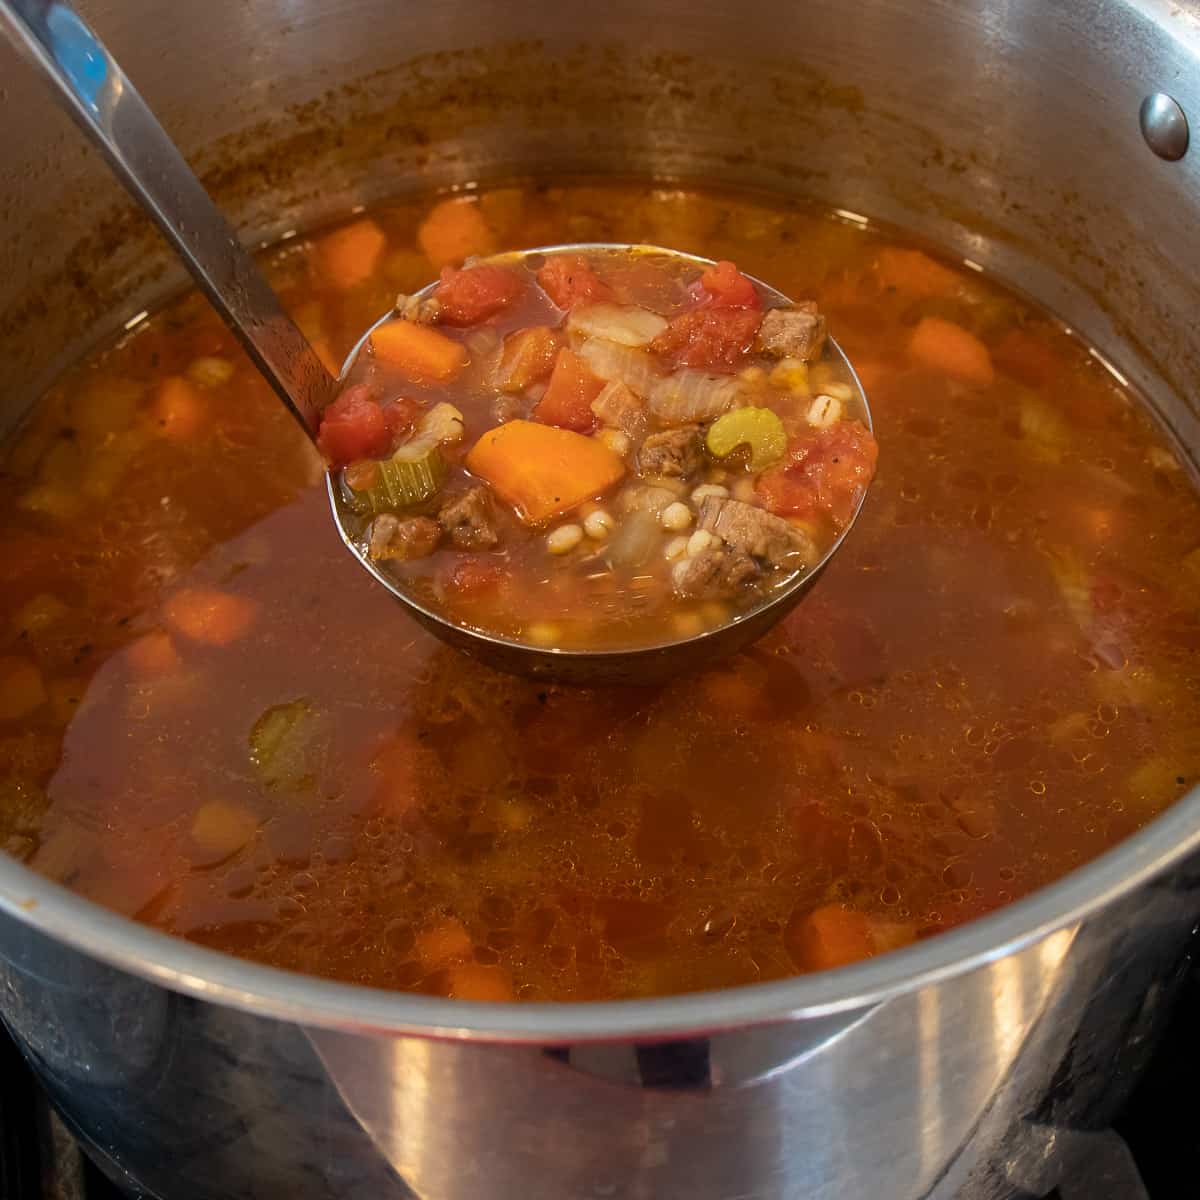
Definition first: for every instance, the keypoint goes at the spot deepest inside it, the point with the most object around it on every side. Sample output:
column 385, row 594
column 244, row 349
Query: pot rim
column 220, row 978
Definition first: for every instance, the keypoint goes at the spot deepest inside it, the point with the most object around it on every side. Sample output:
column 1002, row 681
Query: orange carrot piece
column 528, row 355
column 22, row 689
column 828, row 937
column 474, row 981
column 421, row 353
column 153, row 654
column 443, row 943
column 350, row 255
column 402, row 764
column 891, row 935
column 219, row 830
column 454, row 230
column 542, row 470
column 915, row 274
column 206, row 615
column 178, row 409
column 948, row 347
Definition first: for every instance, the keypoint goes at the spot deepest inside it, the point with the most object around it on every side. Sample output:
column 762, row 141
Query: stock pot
column 972, row 1065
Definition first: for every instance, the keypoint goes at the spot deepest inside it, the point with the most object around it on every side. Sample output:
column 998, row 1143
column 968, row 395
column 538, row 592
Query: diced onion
column 686, row 396
column 622, row 364
column 625, row 325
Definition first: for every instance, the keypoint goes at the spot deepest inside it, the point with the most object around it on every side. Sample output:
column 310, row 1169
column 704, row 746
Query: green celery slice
column 758, row 428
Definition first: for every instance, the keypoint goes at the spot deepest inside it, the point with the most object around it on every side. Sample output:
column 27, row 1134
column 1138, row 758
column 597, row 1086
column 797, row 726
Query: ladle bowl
column 633, row 666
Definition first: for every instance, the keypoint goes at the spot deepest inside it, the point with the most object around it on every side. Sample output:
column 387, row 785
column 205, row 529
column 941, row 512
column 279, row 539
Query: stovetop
column 1151, row 1153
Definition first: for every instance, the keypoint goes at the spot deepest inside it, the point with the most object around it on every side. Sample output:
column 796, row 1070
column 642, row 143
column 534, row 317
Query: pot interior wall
column 1008, row 133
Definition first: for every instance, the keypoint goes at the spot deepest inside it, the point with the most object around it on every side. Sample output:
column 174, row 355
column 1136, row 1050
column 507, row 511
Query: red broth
column 211, row 719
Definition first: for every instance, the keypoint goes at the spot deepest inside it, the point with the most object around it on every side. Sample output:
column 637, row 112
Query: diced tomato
column 470, row 576
column 1028, row 357
column 709, row 337
column 826, row 472
column 353, row 427
column 568, row 280
column 470, row 295
column 567, row 401
column 729, row 288
column 400, row 415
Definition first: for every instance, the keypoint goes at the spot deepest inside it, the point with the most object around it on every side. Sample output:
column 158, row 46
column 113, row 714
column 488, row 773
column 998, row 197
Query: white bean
column 676, row 517
column 676, row 548
column 598, row 525
column 700, row 541
column 709, row 489
column 824, row 411
column 564, row 539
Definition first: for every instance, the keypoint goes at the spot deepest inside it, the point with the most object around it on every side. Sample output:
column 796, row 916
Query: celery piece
column 402, row 481
column 758, row 428
column 282, row 745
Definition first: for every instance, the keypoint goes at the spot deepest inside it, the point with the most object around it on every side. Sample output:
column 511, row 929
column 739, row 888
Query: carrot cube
column 153, row 654
column 178, row 409
column 443, row 943
column 219, row 830
column 542, row 470
column 206, row 615
column 914, row 273
column 454, row 230
column 422, row 354
column 474, row 981
column 828, row 937
column 350, row 255
column 948, row 347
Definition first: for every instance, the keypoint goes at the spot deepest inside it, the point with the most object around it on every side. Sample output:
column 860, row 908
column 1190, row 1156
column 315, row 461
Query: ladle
column 98, row 95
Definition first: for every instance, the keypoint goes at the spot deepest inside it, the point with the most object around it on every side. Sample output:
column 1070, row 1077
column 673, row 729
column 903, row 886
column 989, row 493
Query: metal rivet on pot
column 1164, row 126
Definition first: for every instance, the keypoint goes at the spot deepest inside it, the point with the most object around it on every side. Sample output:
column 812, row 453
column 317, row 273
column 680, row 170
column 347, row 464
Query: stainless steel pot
column 972, row 1065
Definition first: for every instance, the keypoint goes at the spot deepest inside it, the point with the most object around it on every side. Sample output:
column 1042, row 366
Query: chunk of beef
column 797, row 332
column 470, row 520
column 620, row 407
column 402, row 537
column 755, row 531
column 674, row 452
column 713, row 573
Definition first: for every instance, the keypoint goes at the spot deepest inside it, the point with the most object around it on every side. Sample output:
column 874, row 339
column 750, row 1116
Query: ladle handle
column 109, row 110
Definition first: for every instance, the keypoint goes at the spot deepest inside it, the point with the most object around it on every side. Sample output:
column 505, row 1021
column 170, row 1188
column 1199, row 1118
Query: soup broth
column 213, row 721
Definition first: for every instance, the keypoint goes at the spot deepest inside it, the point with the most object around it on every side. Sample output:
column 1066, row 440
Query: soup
column 598, row 450
column 213, row 721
